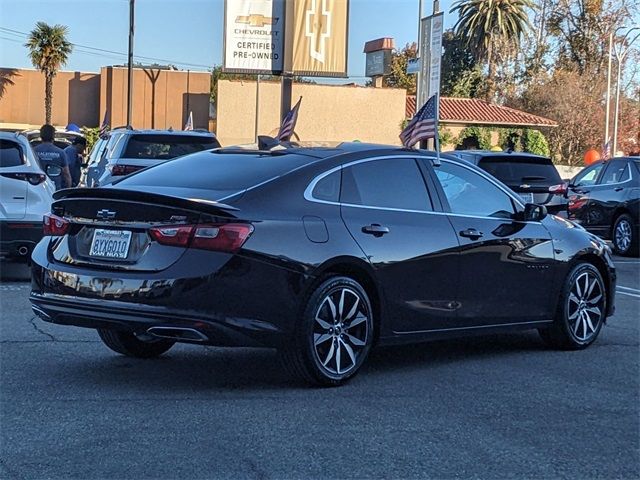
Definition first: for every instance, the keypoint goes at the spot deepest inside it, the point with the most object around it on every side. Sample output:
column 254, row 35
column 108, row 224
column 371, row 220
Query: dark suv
column 605, row 199
column 533, row 177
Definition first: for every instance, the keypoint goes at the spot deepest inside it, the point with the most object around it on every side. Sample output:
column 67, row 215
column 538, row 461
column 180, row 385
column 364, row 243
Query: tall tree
column 49, row 50
column 485, row 23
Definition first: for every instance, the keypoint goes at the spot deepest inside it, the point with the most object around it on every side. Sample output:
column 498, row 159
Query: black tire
column 624, row 236
column 334, row 336
column 581, row 310
column 126, row 343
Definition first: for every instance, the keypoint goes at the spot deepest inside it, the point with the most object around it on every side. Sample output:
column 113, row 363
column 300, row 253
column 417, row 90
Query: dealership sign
column 254, row 36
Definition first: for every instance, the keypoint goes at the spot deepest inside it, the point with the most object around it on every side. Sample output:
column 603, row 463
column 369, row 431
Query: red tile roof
column 479, row 112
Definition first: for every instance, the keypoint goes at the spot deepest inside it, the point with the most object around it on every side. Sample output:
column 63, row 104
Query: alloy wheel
column 341, row 331
column 585, row 307
column 622, row 235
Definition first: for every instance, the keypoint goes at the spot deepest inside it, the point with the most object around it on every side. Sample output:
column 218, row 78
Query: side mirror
column 53, row 171
column 534, row 213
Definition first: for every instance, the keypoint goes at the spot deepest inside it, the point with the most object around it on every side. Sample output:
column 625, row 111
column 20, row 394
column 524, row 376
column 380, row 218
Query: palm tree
column 49, row 50
column 485, row 23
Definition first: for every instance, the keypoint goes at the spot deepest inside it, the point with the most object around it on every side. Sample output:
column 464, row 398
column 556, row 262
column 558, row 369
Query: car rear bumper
column 240, row 301
column 18, row 238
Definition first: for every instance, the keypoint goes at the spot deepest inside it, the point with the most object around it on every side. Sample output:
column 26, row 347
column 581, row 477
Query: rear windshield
column 517, row 170
column 217, row 171
column 10, row 154
column 164, row 147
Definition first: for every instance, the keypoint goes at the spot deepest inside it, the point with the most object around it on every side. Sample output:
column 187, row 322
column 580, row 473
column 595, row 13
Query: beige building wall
column 75, row 98
column 161, row 98
column 327, row 112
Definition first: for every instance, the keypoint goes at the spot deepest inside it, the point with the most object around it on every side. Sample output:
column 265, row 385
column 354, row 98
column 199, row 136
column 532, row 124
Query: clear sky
column 187, row 33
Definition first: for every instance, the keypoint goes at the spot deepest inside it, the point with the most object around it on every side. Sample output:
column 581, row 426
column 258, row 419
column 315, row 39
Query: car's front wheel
column 624, row 237
column 127, row 343
column 334, row 336
column 581, row 310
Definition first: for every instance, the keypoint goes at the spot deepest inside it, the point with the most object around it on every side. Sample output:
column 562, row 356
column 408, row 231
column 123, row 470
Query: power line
column 113, row 52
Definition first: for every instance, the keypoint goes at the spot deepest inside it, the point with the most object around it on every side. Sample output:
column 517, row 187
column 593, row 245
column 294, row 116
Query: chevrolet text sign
column 254, row 36
column 319, row 33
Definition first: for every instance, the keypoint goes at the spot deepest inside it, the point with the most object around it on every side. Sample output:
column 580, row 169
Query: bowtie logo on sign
column 254, row 20
column 318, row 28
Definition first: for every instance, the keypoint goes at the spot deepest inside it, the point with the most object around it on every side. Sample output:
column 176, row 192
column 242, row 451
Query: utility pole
column 620, row 54
column 130, row 62
column 608, row 106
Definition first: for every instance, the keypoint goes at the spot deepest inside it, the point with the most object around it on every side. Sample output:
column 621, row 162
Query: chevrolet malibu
column 321, row 253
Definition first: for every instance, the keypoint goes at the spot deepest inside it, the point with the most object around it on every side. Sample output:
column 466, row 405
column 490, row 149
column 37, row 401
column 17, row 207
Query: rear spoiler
column 192, row 203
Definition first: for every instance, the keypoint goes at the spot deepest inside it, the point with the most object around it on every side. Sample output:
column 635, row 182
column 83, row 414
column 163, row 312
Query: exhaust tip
column 178, row 333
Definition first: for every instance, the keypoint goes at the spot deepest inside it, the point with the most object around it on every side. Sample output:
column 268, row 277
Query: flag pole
column 437, row 133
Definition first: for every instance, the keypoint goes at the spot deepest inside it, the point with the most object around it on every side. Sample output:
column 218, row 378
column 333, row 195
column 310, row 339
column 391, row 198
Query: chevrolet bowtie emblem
column 105, row 214
column 256, row 20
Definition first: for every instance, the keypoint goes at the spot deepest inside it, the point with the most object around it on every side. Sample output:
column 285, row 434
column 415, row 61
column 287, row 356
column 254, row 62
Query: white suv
column 25, row 196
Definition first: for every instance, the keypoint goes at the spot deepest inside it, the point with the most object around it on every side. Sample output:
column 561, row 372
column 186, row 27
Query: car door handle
column 471, row 233
column 618, row 189
column 375, row 229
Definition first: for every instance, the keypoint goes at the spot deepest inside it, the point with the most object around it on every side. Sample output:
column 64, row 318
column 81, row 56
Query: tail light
column 120, row 170
column 54, row 225
column 224, row 237
column 576, row 203
column 32, row 178
column 560, row 189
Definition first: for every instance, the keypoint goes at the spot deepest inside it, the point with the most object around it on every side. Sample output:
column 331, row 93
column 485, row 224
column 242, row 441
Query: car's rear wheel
column 581, row 310
column 624, row 237
column 127, row 343
column 334, row 336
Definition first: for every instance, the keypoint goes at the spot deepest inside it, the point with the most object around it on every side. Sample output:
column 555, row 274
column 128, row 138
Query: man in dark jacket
column 49, row 154
column 74, row 154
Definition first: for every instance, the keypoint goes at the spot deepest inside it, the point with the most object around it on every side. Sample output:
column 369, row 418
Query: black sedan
column 605, row 199
column 321, row 253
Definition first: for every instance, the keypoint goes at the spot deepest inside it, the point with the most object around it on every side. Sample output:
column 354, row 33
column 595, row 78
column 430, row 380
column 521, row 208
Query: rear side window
column 514, row 170
column 588, row 176
column 10, row 154
column 385, row 183
column 167, row 146
column 328, row 188
column 616, row 172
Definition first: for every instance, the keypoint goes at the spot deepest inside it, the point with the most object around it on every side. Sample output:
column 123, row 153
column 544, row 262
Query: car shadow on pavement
column 198, row 369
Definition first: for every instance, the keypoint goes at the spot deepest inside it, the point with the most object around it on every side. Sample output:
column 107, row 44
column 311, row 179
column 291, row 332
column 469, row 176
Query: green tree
column 398, row 78
column 49, row 50
column 461, row 76
column 485, row 23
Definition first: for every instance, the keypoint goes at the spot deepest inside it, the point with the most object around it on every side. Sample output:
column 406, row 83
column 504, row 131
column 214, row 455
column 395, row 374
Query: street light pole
column 620, row 54
column 130, row 62
column 608, row 106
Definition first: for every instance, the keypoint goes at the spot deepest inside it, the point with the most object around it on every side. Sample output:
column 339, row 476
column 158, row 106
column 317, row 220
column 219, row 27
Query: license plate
column 526, row 197
column 110, row 243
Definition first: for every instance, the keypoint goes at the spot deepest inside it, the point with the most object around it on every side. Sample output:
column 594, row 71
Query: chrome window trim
column 309, row 197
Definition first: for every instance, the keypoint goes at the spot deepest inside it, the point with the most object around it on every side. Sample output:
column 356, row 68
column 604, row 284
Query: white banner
column 435, row 53
column 254, row 36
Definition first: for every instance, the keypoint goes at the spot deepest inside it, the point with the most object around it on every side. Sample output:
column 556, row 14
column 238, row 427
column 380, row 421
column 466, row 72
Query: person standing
column 73, row 154
column 49, row 154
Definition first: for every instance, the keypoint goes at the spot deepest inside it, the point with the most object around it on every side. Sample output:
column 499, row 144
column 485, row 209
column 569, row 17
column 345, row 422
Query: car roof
column 131, row 131
column 15, row 136
column 489, row 153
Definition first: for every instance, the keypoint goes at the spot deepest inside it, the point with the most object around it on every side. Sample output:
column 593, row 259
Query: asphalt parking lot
column 487, row 407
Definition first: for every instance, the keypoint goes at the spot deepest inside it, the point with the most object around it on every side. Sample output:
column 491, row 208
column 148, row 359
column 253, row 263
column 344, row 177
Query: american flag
column 289, row 123
column 189, row 124
column 423, row 125
column 606, row 150
column 105, row 127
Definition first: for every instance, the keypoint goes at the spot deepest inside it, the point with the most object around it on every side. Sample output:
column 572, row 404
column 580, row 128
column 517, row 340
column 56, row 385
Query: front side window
column 469, row 193
column 588, row 176
column 617, row 172
column 385, row 183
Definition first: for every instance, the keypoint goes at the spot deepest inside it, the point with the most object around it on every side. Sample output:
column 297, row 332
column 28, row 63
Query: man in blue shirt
column 73, row 155
column 49, row 154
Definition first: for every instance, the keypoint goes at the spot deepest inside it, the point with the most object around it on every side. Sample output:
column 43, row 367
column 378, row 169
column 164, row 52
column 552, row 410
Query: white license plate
column 526, row 197
column 110, row 243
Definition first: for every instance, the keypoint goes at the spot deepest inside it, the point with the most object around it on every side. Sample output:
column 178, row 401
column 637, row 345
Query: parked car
column 321, row 253
column 94, row 164
column 533, row 177
column 25, row 197
column 605, row 199
column 61, row 139
column 129, row 150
